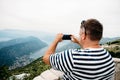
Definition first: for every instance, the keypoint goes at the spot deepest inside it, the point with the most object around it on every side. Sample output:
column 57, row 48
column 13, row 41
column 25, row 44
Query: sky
column 59, row 16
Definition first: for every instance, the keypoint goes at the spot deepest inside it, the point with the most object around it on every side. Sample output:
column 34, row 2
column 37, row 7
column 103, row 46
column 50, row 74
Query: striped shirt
column 84, row 64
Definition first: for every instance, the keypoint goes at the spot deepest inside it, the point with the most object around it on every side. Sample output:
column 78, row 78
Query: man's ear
column 83, row 36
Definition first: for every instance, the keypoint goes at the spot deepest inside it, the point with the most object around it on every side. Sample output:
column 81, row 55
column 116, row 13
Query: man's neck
column 91, row 44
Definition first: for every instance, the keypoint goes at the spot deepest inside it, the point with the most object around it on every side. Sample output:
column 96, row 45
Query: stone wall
column 117, row 68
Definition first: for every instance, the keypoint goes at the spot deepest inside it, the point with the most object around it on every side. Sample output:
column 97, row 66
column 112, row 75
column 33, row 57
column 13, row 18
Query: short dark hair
column 93, row 28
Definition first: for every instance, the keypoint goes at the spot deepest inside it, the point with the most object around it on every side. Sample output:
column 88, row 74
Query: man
column 91, row 62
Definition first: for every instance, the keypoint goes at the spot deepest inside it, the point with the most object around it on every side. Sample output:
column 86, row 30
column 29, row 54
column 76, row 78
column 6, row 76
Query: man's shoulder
column 89, row 51
column 74, row 50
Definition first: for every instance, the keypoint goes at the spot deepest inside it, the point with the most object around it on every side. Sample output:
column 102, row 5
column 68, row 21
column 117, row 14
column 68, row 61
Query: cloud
column 58, row 15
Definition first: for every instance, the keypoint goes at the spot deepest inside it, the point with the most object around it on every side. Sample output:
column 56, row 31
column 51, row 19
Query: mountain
column 15, row 49
column 47, row 37
column 16, row 41
column 8, row 34
column 106, row 39
column 113, row 47
column 67, row 45
column 116, row 42
column 36, row 67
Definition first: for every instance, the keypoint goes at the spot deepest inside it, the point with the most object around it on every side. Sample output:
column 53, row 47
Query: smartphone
column 66, row 37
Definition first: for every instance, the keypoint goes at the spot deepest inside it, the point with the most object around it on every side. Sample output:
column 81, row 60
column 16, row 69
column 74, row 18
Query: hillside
column 116, row 42
column 19, row 49
column 8, row 34
column 34, row 69
column 13, row 34
column 113, row 47
column 104, row 40
column 16, row 41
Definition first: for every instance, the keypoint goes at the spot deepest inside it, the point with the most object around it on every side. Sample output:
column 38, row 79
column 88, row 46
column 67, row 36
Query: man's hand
column 58, row 37
column 75, row 39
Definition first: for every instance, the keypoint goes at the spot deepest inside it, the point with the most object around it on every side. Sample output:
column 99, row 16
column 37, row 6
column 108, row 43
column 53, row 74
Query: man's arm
column 52, row 48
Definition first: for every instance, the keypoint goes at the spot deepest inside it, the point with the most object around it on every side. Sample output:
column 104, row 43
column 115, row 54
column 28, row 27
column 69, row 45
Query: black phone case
column 66, row 37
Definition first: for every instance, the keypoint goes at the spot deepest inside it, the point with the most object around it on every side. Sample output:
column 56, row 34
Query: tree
column 4, row 73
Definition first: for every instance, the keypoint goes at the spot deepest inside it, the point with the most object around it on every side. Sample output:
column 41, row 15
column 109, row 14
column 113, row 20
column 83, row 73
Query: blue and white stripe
column 84, row 64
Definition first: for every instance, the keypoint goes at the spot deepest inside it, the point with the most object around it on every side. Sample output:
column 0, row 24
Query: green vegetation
column 116, row 42
column 38, row 66
column 114, row 51
column 13, row 49
column 34, row 69
column 114, row 48
column 4, row 73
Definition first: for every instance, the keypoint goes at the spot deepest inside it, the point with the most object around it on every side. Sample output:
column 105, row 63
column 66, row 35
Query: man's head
column 91, row 29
